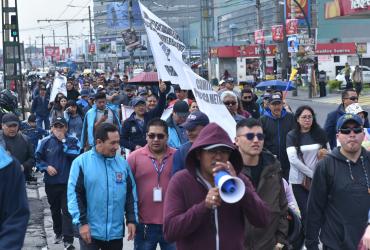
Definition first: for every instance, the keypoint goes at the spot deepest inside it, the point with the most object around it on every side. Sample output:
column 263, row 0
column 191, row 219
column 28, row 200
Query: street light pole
column 67, row 39
column 52, row 58
column 130, row 25
column 91, row 40
column 261, row 46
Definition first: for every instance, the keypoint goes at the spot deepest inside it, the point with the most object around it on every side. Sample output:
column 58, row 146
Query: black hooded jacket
column 339, row 202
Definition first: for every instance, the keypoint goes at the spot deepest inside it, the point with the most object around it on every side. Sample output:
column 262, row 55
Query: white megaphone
column 231, row 188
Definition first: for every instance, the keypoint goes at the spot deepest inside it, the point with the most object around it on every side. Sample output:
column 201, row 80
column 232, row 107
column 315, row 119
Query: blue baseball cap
column 348, row 117
column 194, row 119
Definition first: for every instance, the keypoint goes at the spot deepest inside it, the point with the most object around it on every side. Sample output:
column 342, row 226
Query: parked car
column 365, row 75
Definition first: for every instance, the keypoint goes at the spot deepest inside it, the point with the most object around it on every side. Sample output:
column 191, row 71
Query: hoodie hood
column 212, row 134
column 335, row 153
column 5, row 159
column 269, row 114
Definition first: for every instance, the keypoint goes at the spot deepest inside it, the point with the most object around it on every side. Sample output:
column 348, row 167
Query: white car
column 365, row 75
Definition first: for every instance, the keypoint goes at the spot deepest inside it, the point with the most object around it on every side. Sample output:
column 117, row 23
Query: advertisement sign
column 259, row 37
column 342, row 8
column 51, row 51
column 291, row 26
column 92, row 48
column 277, row 33
column 361, row 48
column 130, row 39
column 117, row 15
column 293, row 44
column 296, row 13
column 167, row 51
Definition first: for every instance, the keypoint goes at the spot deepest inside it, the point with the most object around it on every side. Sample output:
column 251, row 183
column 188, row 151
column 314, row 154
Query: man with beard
column 339, row 199
column 249, row 103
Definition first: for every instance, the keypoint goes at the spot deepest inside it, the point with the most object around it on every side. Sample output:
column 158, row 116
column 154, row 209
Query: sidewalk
column 40, row 233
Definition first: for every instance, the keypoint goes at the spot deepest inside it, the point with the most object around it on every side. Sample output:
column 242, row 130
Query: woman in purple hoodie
column 195, row 217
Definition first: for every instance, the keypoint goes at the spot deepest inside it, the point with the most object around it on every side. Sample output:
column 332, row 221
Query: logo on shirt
column 119, row 178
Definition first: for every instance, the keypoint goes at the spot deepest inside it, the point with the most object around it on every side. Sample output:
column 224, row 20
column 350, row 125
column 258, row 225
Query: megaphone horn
column 231, row 188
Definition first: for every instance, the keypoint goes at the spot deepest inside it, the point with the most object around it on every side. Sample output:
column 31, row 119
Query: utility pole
column 130, row 25
column 262, row 45
column 43, row 55
column 52, row 58
column 91, row 40
column 67, row 39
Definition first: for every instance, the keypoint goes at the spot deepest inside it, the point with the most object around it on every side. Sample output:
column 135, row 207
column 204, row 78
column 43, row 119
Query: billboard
column 259, row 37
column 291, row 26
column 293, row 44
column 117, row 15
column 345, row 8
column 296, row 13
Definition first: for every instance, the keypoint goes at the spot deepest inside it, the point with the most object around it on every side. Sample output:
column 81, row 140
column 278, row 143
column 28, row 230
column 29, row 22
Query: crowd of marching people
column 140, row 161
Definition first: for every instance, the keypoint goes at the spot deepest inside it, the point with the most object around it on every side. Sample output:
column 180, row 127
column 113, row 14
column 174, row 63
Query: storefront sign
column 335, row 48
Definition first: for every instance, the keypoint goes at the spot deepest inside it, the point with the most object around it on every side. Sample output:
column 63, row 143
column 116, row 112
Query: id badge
column 157, row 194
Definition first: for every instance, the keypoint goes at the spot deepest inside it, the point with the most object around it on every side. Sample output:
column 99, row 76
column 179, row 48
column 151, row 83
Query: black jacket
column 252, row 108
column 271, row 190
column 40, row 106
column 276, row 130
column 339, row 202
column 14, row 212
column 20, row 147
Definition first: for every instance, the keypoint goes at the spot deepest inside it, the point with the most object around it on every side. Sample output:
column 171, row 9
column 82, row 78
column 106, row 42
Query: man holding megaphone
column 205, row 203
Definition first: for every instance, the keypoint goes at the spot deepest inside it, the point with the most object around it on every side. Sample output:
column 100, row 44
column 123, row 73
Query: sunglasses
column 352, row 98
column 247, row 97
column 152, row 136
column 251, row 136
column 347, row 131
column 232, row 103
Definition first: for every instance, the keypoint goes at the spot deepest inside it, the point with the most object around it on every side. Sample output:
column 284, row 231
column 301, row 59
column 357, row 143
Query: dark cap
column 10, row 118
column 32, row 118
column 275, row 98
column 59, row 120
column 181, row 108
column 176, row 88
column 42, row 87
column 137, row 100
column 194, row 119
column 85, row 92
column 229, row 80
column 129, row 86
column 348, row 117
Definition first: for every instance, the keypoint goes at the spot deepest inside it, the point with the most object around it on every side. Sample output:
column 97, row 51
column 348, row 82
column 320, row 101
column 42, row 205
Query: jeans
column 62, row 220
column 42, row 119
column 149, row 235
column 349, row 84
column 103, row 245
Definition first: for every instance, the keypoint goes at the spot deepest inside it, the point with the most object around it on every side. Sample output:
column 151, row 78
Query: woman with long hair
column 306, row 144
column 58, row 108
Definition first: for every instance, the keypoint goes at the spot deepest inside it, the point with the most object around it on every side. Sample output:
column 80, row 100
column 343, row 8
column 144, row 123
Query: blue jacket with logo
column 14, row 211
column 101, row 192
column 87, row 133
column 51, row 151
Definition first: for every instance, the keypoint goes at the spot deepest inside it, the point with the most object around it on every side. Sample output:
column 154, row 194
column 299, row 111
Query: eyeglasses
column 306, row 117
column 347, row 131
column 251, row 136
column 232, row 103
column 152, row 136
column 219, row 150
column 352, row 98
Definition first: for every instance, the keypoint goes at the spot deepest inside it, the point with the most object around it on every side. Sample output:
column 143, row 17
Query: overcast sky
column 29, row 11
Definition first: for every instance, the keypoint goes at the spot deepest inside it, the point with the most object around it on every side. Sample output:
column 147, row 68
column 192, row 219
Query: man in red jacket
column 195, row 217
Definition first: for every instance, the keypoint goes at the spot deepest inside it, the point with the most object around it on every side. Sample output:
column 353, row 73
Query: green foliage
column 334, row 84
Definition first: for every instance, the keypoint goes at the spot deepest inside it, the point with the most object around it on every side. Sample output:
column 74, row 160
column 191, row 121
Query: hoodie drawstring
column 365, row 172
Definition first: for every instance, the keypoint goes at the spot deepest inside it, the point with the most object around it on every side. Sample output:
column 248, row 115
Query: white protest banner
column 126, row 112
column 59, row 86
column 166, row 47
column 208, row 100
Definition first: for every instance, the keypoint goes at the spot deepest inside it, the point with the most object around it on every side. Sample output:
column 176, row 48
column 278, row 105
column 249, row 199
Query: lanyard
column 159, row 169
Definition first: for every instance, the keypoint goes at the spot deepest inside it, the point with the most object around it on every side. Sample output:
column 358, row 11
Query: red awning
column 145, row 77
